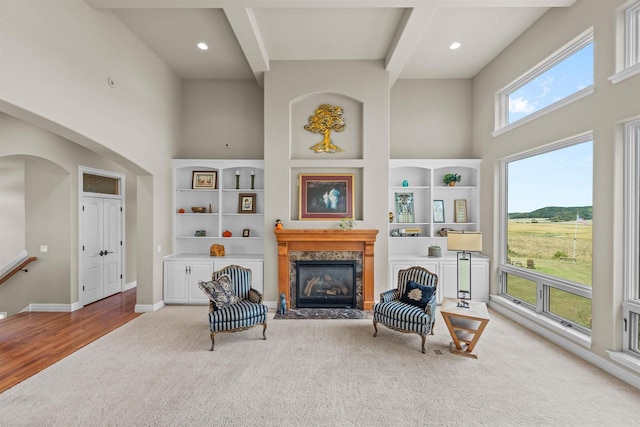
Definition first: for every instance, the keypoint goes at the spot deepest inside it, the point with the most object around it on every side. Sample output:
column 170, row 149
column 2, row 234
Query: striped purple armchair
column 411, row 307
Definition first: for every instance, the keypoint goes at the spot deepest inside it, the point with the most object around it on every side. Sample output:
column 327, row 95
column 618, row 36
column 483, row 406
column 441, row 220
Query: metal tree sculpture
column 327, row 118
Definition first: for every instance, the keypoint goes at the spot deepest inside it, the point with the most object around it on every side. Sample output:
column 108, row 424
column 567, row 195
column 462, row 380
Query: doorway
column 101, row 234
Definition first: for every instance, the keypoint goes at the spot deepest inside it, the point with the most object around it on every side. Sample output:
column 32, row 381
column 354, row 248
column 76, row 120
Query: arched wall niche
column 350, row 140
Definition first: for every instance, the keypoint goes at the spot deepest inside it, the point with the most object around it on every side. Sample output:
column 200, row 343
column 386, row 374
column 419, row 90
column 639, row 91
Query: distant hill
column 556, row 213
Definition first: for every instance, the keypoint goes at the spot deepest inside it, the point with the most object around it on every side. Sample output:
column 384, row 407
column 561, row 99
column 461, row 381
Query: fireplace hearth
column 324, row 284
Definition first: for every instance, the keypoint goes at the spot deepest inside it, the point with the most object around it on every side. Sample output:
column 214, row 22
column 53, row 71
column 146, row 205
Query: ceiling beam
column 409, row 33
column 244, row 26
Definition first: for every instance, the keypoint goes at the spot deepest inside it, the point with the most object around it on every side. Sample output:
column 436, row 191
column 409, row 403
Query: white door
column 101, row 248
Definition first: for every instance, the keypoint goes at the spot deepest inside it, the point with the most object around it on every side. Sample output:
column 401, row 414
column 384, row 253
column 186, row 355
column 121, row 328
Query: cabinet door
column 175, row 282
column 395, row 268
column 479, row 280
column 198, row 271
column 449, row 279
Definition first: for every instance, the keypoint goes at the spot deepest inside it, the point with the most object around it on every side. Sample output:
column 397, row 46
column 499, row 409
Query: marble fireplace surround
column 296, row 243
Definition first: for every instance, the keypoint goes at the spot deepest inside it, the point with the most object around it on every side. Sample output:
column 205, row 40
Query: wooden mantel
column 327, row 240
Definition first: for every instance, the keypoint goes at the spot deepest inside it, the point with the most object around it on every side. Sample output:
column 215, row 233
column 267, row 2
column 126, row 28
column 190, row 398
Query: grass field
column 551, row 247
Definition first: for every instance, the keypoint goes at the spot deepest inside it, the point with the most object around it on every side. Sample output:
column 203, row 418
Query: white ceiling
column 412, row 38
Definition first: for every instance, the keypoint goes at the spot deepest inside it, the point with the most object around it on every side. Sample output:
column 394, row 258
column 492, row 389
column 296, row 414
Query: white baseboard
column 130, row 285
column 566, row 343
column 52, row 308
column 3, row 314
column 148, row 308
column 273, row 305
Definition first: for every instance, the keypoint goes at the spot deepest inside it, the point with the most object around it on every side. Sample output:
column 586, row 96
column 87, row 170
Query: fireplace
column 326, row 284
column 322, row 245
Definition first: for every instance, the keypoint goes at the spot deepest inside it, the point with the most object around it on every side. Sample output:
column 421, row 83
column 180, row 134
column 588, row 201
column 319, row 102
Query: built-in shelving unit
column 417, row 184
column 191, row 261
column 224, row 201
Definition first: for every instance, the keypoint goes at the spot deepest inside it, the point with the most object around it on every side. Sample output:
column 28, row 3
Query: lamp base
column 462, row 303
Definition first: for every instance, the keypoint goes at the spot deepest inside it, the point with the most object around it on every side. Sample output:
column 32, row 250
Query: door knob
column 101, row 253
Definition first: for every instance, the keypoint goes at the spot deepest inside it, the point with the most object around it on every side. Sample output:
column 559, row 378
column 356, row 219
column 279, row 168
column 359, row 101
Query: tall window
column 627, row 41
column 561, row 78
column 547, row 218
column 631, row 300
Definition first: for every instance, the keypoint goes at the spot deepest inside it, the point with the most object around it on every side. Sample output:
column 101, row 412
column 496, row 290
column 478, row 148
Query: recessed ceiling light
column 202, row 46
column 454, row 45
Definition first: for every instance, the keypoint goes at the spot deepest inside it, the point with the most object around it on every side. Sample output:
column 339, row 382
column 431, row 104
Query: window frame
column 627, row 41
column 631, row 287
column 502, row 96
column 543, row 282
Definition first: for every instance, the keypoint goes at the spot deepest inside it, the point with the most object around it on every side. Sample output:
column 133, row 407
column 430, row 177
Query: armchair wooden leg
column 433, row 324
column 213, row 341
column 264, row 330
column 424, row 337
column 375, row 327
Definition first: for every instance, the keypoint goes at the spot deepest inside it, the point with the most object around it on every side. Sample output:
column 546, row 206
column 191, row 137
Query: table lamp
column 464, row 243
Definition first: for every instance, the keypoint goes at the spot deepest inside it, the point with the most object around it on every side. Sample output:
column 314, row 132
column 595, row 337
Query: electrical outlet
column 159, row 248
column 44, row 248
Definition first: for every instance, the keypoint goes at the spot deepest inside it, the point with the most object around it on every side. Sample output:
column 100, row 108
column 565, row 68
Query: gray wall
column 600, row 113
column 431, row 119
column 48, row 213
column 59, row 83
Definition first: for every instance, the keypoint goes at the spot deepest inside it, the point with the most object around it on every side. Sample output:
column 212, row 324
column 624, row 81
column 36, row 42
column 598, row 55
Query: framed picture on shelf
column 460, row 208
column 325, row 196
column 438, row 211
column 247, row 203
column 245, row 232
column 404, row 207
column 204, row 180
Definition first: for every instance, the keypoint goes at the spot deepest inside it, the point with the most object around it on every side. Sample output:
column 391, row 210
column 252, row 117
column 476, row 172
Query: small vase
column 452, row 184
column 237, row 182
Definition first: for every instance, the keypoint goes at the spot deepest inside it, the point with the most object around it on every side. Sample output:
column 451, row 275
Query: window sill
column 625, row 360
column 625, row 74
column 538, row 323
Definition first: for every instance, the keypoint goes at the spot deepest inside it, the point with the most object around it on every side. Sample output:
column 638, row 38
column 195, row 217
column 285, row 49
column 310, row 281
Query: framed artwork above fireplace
column 325, row 196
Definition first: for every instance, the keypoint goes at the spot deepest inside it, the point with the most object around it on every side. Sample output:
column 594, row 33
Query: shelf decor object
column 325, row 196
column 253, row 180
column 464, row 243
column 237, row 180
column 247, row 203
column 404, row 207
column 451, row 179
column 438, row 211
column 326, row 118
column 460, row 208
column 204, row 180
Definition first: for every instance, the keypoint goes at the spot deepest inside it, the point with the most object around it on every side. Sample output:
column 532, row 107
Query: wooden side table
column 465, row 324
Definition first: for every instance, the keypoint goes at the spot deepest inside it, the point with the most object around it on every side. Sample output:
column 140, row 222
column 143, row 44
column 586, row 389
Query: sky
column 571, row 75
column 559, row 178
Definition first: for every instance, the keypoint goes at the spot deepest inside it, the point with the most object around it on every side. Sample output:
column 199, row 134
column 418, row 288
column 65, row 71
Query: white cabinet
column 181, row 279
column 446, row 269
column 232, row 182
column 416, row 188
column 183, row 272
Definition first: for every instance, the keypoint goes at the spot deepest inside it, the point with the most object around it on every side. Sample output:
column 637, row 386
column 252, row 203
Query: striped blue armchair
column 411, row 307
column 248, row 312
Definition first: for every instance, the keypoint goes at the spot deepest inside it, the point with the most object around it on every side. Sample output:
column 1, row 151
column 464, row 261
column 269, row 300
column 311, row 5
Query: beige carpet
column 157, row 371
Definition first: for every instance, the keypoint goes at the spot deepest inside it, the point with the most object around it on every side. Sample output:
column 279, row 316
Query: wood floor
column 30, row 342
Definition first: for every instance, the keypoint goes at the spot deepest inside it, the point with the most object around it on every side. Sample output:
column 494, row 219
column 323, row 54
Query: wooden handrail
column 17, row 268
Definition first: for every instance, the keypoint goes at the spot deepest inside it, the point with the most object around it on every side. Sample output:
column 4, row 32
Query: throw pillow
column 417, row 294
column 220, row 291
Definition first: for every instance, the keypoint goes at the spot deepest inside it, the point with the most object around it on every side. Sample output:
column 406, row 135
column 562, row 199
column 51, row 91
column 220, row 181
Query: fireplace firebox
column 326, row 283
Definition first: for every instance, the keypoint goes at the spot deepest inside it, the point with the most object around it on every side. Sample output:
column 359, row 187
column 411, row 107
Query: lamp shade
column 461, row 241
